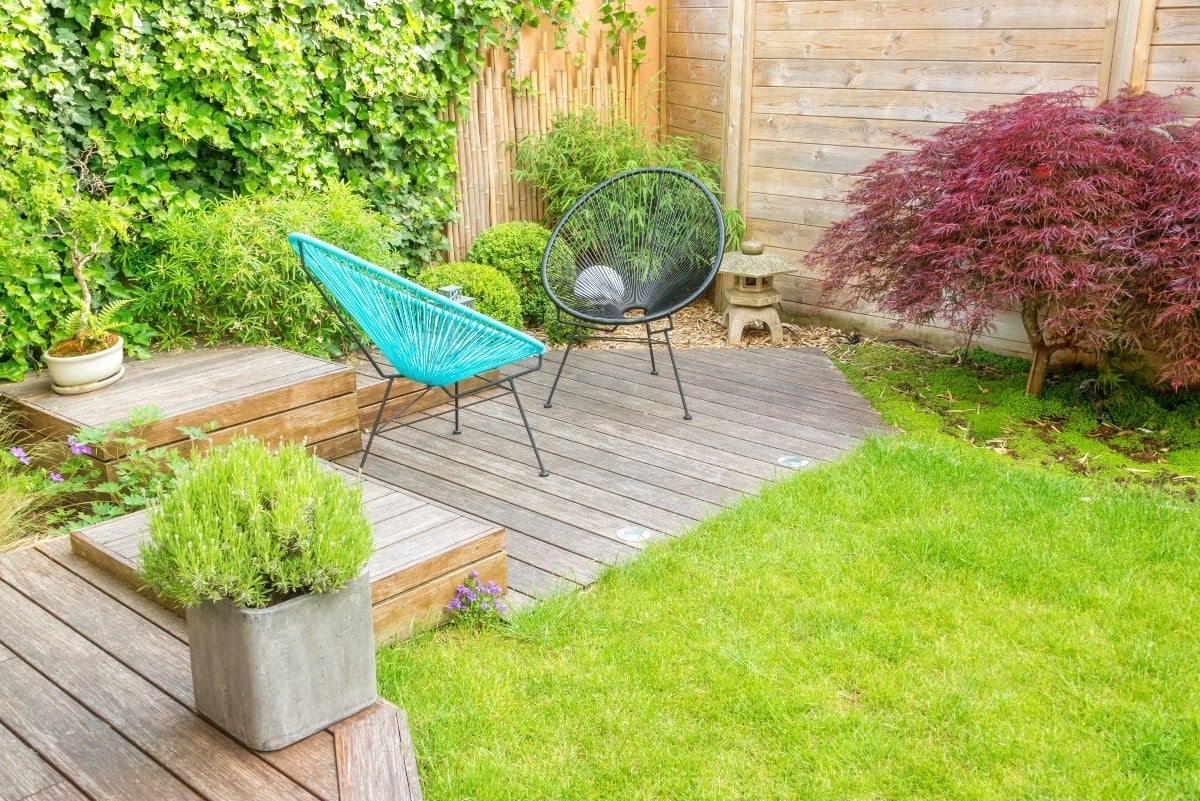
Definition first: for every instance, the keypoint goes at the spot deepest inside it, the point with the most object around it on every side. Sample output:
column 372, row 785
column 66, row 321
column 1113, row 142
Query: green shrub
column 227, row 273
column 47, row 219
column 256, row 528
column 515, row 249
column 584, row 148
column 494, row 294
column 186, row 101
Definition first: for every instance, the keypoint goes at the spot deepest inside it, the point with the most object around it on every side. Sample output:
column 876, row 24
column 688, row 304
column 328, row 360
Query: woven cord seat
column 423, row 336
column 633, row 251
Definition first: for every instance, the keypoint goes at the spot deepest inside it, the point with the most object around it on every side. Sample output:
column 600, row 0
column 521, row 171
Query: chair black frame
column 598, row 324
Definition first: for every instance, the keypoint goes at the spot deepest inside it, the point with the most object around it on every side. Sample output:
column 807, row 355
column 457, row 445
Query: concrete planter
column 270, row 677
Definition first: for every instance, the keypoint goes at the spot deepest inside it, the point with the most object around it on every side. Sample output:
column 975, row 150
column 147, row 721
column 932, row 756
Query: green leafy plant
column 494, row 294
column 515, row 249
column 74, row 489
column 476, row 603
column 584, row 148
column 193, row 100
column 57, row 222
column 225, row 272
column 255, row 527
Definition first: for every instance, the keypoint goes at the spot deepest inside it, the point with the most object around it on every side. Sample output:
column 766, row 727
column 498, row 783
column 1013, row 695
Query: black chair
column 633, row 251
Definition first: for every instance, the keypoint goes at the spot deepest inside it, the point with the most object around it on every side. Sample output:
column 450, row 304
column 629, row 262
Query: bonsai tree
column 1084, row 218
column 255, row 527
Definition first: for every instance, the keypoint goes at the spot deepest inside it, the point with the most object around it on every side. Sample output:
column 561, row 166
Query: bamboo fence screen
column 558, row 81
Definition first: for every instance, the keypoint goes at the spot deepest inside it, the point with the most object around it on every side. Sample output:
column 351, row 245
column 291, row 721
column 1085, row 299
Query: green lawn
column 921, row 620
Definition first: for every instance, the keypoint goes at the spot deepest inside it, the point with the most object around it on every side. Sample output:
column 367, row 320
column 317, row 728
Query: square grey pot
column 272, row 676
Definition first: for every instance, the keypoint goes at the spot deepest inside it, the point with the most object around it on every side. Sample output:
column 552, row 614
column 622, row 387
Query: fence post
column 1127, row 47
column 739, row 79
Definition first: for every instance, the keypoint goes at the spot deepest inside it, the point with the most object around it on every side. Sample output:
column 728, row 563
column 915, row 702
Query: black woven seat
column 633, row 251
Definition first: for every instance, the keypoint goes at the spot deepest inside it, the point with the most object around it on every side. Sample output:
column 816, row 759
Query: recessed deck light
column 634, row 534
column 793, row 462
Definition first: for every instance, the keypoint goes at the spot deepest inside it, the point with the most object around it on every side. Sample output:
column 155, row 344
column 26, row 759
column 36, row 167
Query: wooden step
column 422, row 553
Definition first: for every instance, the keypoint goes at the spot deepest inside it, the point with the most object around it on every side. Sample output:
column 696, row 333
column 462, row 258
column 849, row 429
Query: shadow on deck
column 622, row 460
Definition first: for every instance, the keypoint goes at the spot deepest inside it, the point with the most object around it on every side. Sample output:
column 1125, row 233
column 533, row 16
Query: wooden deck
column 421, row 553
column 619, row 453
column 96, row 697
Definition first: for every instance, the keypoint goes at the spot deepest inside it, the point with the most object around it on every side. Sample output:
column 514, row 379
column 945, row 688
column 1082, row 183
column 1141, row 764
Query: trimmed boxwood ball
column 515, row 249
column 494, row 294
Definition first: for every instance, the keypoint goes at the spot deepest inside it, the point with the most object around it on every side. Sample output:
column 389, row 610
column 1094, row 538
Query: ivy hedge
column 175, row 102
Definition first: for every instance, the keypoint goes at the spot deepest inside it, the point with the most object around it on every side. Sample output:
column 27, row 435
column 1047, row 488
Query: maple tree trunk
column 1041, row 351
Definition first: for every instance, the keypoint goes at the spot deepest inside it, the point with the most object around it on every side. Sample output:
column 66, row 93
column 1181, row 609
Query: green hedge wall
column 184, row 100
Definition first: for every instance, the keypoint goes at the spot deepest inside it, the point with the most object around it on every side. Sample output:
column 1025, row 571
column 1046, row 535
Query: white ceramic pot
column 73, row 375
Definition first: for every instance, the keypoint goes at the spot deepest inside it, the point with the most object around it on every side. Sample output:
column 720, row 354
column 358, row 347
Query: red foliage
column 1087, row 219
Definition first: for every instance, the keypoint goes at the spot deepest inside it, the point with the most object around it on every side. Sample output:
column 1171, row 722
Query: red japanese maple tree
column 1084, row 217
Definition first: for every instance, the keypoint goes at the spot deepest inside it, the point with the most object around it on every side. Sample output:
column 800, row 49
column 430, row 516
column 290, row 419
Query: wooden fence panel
column 557, row 81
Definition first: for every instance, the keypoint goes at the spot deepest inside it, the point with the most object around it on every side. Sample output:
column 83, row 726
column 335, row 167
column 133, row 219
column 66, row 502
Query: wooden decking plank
column 806, row 372
column 554, row 448
column 715, row 426
column 388, row 463
column 551, row 558
column 414, row 522
column 392, row 516
column 470, row 448
column 22, row 771
column 136, row 643
column 435, row 552
column 370, row 758
column 59, row 550
column 585, row 429
column 63, row 791
column 834, row 399
column 98, row 759
column 537, row 583
column 774, row 381
column 462, row 461
column 722, row 400
column 510, row 442
column 158, row 724
column 408, row 757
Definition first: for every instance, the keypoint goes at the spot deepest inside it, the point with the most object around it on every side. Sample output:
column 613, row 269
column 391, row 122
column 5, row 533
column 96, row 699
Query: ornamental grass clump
column 255, row 527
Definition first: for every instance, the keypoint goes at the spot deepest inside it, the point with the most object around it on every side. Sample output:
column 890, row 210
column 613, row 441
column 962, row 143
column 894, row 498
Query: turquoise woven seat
column 423, row 336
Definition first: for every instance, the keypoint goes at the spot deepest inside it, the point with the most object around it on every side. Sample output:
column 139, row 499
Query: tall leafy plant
column 1084, row 218
column 584, row 148
column 186, row 100
column 225, row 272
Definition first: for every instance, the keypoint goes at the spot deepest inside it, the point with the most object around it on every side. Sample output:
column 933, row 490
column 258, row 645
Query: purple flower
column 19, row 452
column 454, row 606
column 55, row 477
column 78, row 448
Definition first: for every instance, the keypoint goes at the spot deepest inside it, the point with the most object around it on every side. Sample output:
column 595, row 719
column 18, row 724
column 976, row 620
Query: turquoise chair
column 423, row 336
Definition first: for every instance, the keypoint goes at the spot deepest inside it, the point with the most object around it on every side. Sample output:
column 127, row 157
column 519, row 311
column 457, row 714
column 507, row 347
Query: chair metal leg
column 558, row 374
column 671, row 351
column 456, row 430
column 387, row 391
column 529, row 431
column 650, row 343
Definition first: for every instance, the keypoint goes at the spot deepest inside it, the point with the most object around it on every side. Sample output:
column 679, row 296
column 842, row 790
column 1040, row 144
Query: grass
column 1128, row 434
column 920, row 620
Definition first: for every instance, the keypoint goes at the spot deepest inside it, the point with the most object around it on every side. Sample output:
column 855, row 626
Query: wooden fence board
column 929, row 14
column 1077, row 45
column 982, row 77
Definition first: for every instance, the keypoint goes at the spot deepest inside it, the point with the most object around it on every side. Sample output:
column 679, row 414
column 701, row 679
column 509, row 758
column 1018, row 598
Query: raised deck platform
column 96, row 703
column 268, row 393
column 422, row 552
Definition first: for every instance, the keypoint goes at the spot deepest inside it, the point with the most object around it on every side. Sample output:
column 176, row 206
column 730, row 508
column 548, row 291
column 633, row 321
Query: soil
column 699, row 326
column 75, row 347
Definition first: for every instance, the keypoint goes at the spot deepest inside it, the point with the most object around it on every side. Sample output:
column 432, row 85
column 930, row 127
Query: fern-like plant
column 81, row 332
